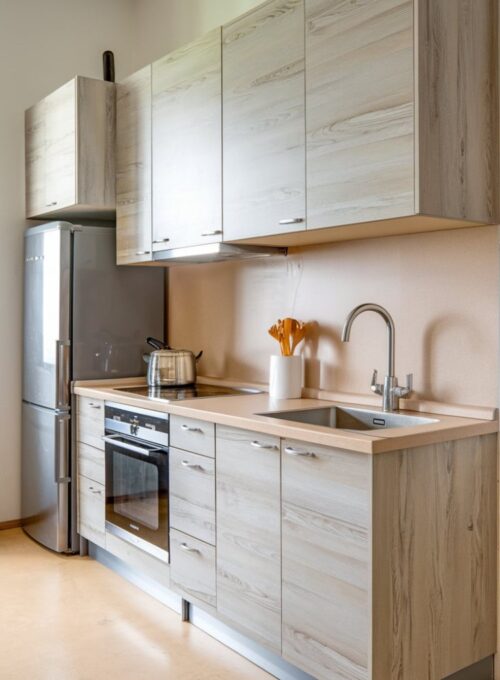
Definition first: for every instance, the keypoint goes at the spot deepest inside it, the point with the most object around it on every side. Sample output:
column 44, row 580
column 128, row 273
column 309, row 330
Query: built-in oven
column 136, row 451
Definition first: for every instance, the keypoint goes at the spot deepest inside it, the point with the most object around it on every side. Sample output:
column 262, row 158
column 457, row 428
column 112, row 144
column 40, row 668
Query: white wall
column 42, row 45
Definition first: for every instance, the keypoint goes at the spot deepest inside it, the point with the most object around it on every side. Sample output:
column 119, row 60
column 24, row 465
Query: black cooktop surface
column 198, row 391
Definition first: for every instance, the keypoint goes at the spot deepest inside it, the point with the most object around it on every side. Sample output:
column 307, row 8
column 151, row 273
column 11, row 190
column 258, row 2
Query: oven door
column 137, row 493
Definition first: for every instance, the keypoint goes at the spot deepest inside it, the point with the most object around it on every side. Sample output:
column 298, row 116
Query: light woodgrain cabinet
column 133, row 169
column 401, row 118
column 69, row 139
column 389, row 561
column 91, row 510
column 90, row 422
column 192, row 494
column 187, row 165
column 249, row 534
column 264, row 136
column 191, row 434
column 192, row 571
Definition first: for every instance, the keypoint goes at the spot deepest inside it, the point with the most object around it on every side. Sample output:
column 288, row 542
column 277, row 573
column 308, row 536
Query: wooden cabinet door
column 187, row 164
column 359, row 111
column 91, row 511
column 263, row 132
column 35, row 159
column 60, row 147
column 326, row 527
column 249, row 534
column 133, row 168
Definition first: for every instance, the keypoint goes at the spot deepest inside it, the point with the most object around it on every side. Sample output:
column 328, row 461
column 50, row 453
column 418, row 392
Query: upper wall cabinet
column 133, row 168
column 401, row 119
column 70, row 168
column 263, row 132
column 187, row 165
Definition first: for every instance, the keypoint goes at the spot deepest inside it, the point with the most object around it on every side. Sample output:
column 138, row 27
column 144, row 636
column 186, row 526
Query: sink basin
column 346, row 418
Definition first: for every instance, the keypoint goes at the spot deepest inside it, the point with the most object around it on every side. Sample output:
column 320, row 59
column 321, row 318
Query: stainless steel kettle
column 170, row 367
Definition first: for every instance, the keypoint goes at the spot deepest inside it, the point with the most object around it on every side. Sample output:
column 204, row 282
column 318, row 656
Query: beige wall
column 441, row 288
column 42, row 45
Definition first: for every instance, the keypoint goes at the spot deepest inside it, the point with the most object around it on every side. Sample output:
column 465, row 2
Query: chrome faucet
column 390, row 390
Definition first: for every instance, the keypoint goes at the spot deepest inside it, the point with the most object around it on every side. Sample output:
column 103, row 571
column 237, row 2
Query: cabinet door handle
column 215, row 232
column 191, row 466
column 187, row 428
column 292, row 220
column 96, row 406
column 143, row 252
column 49, row 205
column 259, row 445
column 162, row 240
column 187, row 548
column 290, row 451
column 97, row 491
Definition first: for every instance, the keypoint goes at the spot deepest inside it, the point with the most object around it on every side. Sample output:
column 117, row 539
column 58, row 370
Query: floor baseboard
column 11, row 524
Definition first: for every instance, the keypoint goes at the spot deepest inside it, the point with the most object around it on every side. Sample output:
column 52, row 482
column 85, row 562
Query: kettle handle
column 199, row 355
column 156, row 344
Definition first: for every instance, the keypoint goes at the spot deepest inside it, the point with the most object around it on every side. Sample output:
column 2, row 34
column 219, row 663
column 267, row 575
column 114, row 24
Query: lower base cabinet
column 192, row 571
column 91, row 511
column 249, row 534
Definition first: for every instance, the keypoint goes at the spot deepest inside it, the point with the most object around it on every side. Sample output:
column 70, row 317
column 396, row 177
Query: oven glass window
column 135, row 490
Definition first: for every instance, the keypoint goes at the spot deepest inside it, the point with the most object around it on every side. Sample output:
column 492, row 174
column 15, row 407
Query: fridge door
column 45, row 476
column 114, row 308
column 47, row 295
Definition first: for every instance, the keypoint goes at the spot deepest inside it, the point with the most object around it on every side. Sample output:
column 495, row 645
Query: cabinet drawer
column 192, row 569
column 93, row 409
column 234, row 439
column 90, row 462
column 192, row 494
column 91, row 506
column 192, row 435
column 139, row 561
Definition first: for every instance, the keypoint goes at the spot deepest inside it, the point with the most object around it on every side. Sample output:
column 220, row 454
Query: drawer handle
column 190, row 466
column 98, row 491
column 187, row 428
column 215, row 232
column 292, row 220
column 259, row 445
column 162, row 240
column 49, row 205
column 139, row 253
column 96, row 406
column 187, row 548
column 289, row 450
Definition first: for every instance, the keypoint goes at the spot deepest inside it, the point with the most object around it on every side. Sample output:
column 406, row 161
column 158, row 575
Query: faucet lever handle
column 409, row 382
column 405, row 391
column 375, row 387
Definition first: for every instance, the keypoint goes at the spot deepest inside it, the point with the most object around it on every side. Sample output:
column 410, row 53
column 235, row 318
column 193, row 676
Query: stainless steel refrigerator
column 84, row 319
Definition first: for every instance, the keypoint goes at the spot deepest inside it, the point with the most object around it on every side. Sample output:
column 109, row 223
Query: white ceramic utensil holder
column 285, row 377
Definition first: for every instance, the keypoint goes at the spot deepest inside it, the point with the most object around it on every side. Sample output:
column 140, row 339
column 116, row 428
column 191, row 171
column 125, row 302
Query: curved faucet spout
column 371, row 307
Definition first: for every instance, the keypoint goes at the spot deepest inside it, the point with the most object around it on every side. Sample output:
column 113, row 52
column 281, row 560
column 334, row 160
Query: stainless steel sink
column 346, row 418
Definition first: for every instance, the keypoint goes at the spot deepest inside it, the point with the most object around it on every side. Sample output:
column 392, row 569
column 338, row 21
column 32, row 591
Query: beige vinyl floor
column 70, row 618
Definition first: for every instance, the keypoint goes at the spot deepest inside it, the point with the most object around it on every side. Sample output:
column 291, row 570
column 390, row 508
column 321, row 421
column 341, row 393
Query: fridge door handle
column 63, row 348
column 62, row 452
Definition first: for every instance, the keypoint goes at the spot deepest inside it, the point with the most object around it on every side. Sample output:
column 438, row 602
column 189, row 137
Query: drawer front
column 139, row 561
column 92, row 409
column 192, row 494
column 91, row 511
column 90, row 432
column 192, row 435
column 91, row 462
column 192, row 569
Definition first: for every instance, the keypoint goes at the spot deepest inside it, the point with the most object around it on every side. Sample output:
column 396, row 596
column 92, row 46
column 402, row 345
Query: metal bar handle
column 95, row 491
column 117, row 439
column 62, row 374
column 191, row 466
column 292, row 220
column 259, row 445
column 187, row 548
column 290, row 451
column 61, row 472
column 215, row 232
column 187, row 428
column 96, row 406
column 139, row 253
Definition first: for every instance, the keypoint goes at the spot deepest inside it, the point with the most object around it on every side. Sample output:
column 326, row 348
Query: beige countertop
column 453, row 422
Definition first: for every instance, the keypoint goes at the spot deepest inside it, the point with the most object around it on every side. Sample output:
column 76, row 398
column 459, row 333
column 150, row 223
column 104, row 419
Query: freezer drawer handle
column 61, row 472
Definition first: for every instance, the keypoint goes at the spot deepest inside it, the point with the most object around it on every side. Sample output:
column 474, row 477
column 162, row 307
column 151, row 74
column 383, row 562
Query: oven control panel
column 149, row 426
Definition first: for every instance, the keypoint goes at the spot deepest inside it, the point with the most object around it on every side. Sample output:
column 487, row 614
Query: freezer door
column 114, row 308
column 45, row 476
column 47, row 295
